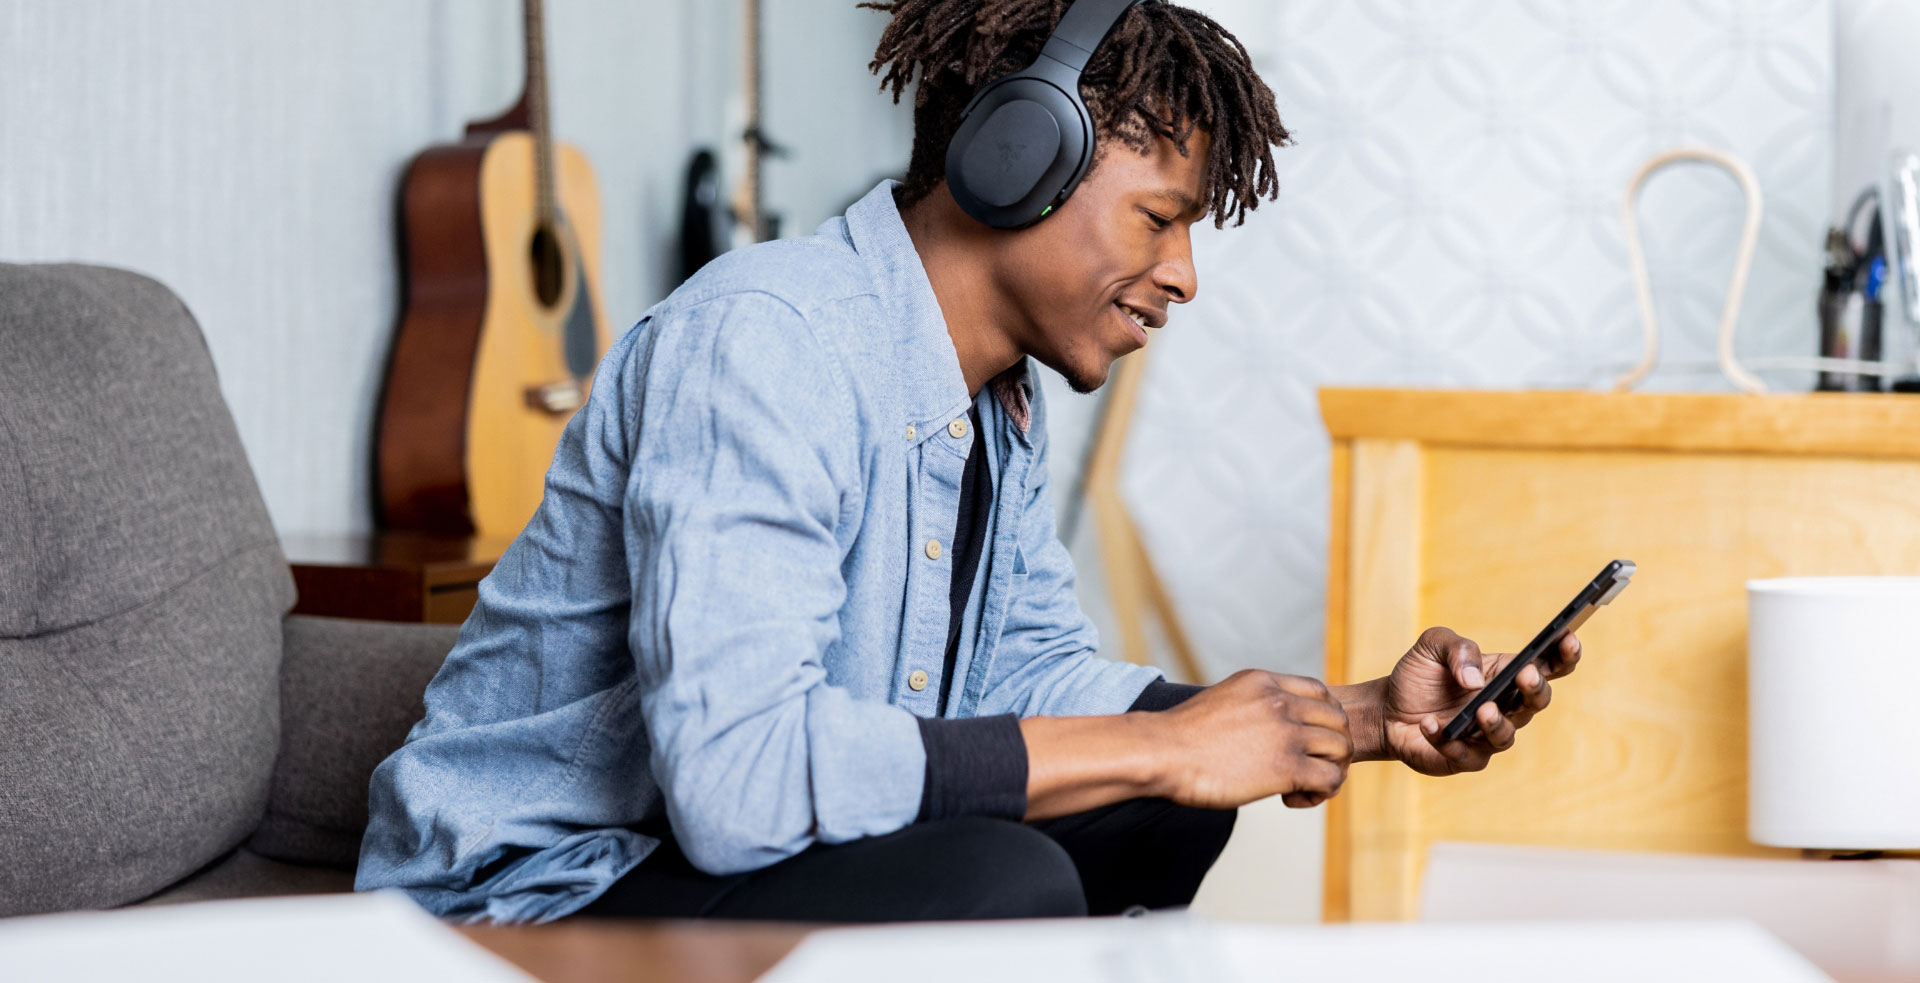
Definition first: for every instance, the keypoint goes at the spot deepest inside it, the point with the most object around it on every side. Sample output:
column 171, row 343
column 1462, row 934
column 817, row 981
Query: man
column 792, row 635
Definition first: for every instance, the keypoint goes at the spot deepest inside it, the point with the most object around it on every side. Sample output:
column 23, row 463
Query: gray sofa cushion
column 141, row 593
column 350, row 691
column 244, row 874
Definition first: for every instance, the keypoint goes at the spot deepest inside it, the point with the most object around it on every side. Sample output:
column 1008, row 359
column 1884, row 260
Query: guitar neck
column 748, row 205
column 546, row 204
column 753, row 112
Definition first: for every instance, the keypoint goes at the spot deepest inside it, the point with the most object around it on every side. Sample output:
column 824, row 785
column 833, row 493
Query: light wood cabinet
column 1485, row 511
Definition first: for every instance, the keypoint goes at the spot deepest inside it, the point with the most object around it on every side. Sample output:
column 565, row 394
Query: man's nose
column 1175, row 274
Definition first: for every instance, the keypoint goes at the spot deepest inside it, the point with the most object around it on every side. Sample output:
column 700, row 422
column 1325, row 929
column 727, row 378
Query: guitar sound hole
column 549, row 266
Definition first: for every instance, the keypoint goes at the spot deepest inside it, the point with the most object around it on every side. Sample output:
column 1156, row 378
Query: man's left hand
column 1436, row 678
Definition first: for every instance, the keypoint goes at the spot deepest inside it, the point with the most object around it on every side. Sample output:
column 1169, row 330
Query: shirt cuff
column 1162, row 695
column 976, row 766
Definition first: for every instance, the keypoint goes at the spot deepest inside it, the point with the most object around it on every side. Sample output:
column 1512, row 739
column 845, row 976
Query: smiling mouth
column 1141, row 322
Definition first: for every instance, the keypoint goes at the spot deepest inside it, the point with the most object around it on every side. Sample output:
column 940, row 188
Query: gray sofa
column 167, row 731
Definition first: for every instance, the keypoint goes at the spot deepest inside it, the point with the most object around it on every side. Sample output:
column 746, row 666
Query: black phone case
column 1606, row 586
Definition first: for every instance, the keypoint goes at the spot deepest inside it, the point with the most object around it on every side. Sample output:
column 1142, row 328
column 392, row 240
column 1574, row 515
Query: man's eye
column 1158, row 222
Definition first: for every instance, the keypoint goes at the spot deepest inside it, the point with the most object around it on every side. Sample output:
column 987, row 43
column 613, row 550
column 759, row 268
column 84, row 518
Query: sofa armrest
column 349, row 692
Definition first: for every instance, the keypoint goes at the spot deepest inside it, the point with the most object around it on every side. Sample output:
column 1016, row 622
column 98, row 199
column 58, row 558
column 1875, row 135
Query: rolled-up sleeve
column 742, row 460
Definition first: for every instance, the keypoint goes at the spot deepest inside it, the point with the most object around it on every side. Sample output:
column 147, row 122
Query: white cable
column 1811, row 364
column 1779, row 363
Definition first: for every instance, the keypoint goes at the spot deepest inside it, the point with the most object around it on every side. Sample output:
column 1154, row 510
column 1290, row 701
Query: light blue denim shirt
column 717, row 610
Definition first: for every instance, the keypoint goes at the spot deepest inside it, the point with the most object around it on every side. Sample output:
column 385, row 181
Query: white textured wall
column 1876, row 89
column 247, row 153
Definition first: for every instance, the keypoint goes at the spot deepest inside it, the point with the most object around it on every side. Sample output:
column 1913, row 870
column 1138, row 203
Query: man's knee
column 1191, row 831
column 996, row 868
column 1148, row 852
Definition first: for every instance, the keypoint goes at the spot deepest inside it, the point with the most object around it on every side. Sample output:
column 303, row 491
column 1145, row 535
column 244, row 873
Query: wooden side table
column 390, row 576
column 1484, row 511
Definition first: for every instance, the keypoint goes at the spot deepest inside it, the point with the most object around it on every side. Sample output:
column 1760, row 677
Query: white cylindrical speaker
column 1833, row 715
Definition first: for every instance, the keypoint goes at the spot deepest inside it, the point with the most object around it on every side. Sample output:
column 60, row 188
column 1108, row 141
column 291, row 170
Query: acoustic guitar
column 502, row 322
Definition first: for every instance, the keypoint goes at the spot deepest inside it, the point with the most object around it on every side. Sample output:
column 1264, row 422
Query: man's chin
column 1085, row 383
column 1082, row 379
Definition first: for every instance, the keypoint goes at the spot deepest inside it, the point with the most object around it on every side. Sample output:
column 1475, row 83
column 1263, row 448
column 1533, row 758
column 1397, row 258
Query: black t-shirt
column 969, row 539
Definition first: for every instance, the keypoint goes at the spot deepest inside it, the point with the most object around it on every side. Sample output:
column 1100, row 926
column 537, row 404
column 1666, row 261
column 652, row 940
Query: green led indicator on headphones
column 1044, row 211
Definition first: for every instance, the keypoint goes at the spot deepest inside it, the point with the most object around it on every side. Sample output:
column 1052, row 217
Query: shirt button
column 933, row 549
column 917, row 681
column 958, row 428
column 910, row 432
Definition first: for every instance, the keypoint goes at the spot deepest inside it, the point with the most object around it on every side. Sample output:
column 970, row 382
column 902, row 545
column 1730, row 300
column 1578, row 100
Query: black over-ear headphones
column 1026, row 139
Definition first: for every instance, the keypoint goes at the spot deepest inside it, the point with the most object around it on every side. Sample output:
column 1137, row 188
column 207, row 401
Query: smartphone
column 1604, row 588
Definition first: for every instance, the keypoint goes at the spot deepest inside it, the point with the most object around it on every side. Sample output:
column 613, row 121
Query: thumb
column 1463, row 657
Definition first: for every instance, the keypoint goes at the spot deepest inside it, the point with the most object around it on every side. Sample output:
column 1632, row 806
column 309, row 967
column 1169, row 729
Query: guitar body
column 524, row 343
column 502, row 327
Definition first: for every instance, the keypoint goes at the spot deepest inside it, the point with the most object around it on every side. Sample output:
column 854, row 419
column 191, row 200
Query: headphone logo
column 1010, row 153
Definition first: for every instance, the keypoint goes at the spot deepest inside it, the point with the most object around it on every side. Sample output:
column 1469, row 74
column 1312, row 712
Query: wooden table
column 390, row 576
column 583, row 951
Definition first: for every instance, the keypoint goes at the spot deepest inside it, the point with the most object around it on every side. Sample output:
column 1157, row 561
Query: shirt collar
column 936, row 390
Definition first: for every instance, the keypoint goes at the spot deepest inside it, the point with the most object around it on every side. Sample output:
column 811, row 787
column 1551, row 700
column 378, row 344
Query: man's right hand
column 1253, row 735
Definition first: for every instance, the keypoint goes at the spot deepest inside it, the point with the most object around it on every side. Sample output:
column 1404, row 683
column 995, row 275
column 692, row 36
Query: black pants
column 1147, row 852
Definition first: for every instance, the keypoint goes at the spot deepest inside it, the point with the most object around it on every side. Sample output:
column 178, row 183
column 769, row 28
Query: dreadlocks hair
column 1163, row 71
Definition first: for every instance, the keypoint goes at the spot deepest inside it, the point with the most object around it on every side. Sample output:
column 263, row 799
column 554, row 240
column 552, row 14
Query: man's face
column 1118, row 249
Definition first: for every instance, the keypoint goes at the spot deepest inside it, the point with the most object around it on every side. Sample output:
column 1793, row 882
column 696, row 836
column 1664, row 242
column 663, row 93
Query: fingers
column 1317, row 781
column 1318, row 713
column 1566, row 658
column 1321, row 750
column 1311, row 704
column 1462, row 755
column 1465, row 756
column 1320, row 777
column 1307, row 686
column 1536, row 693
column 1497, row 730
column 1326, row 744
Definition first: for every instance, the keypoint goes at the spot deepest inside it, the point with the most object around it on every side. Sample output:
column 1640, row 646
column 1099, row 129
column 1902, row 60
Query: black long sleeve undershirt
column 977, row 766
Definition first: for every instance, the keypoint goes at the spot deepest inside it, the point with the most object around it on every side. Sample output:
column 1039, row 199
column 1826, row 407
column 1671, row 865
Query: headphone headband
column 1081, row 29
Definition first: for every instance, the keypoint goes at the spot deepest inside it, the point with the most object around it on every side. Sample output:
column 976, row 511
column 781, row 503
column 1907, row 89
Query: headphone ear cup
column 1022, row 146
column 1009, row 152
